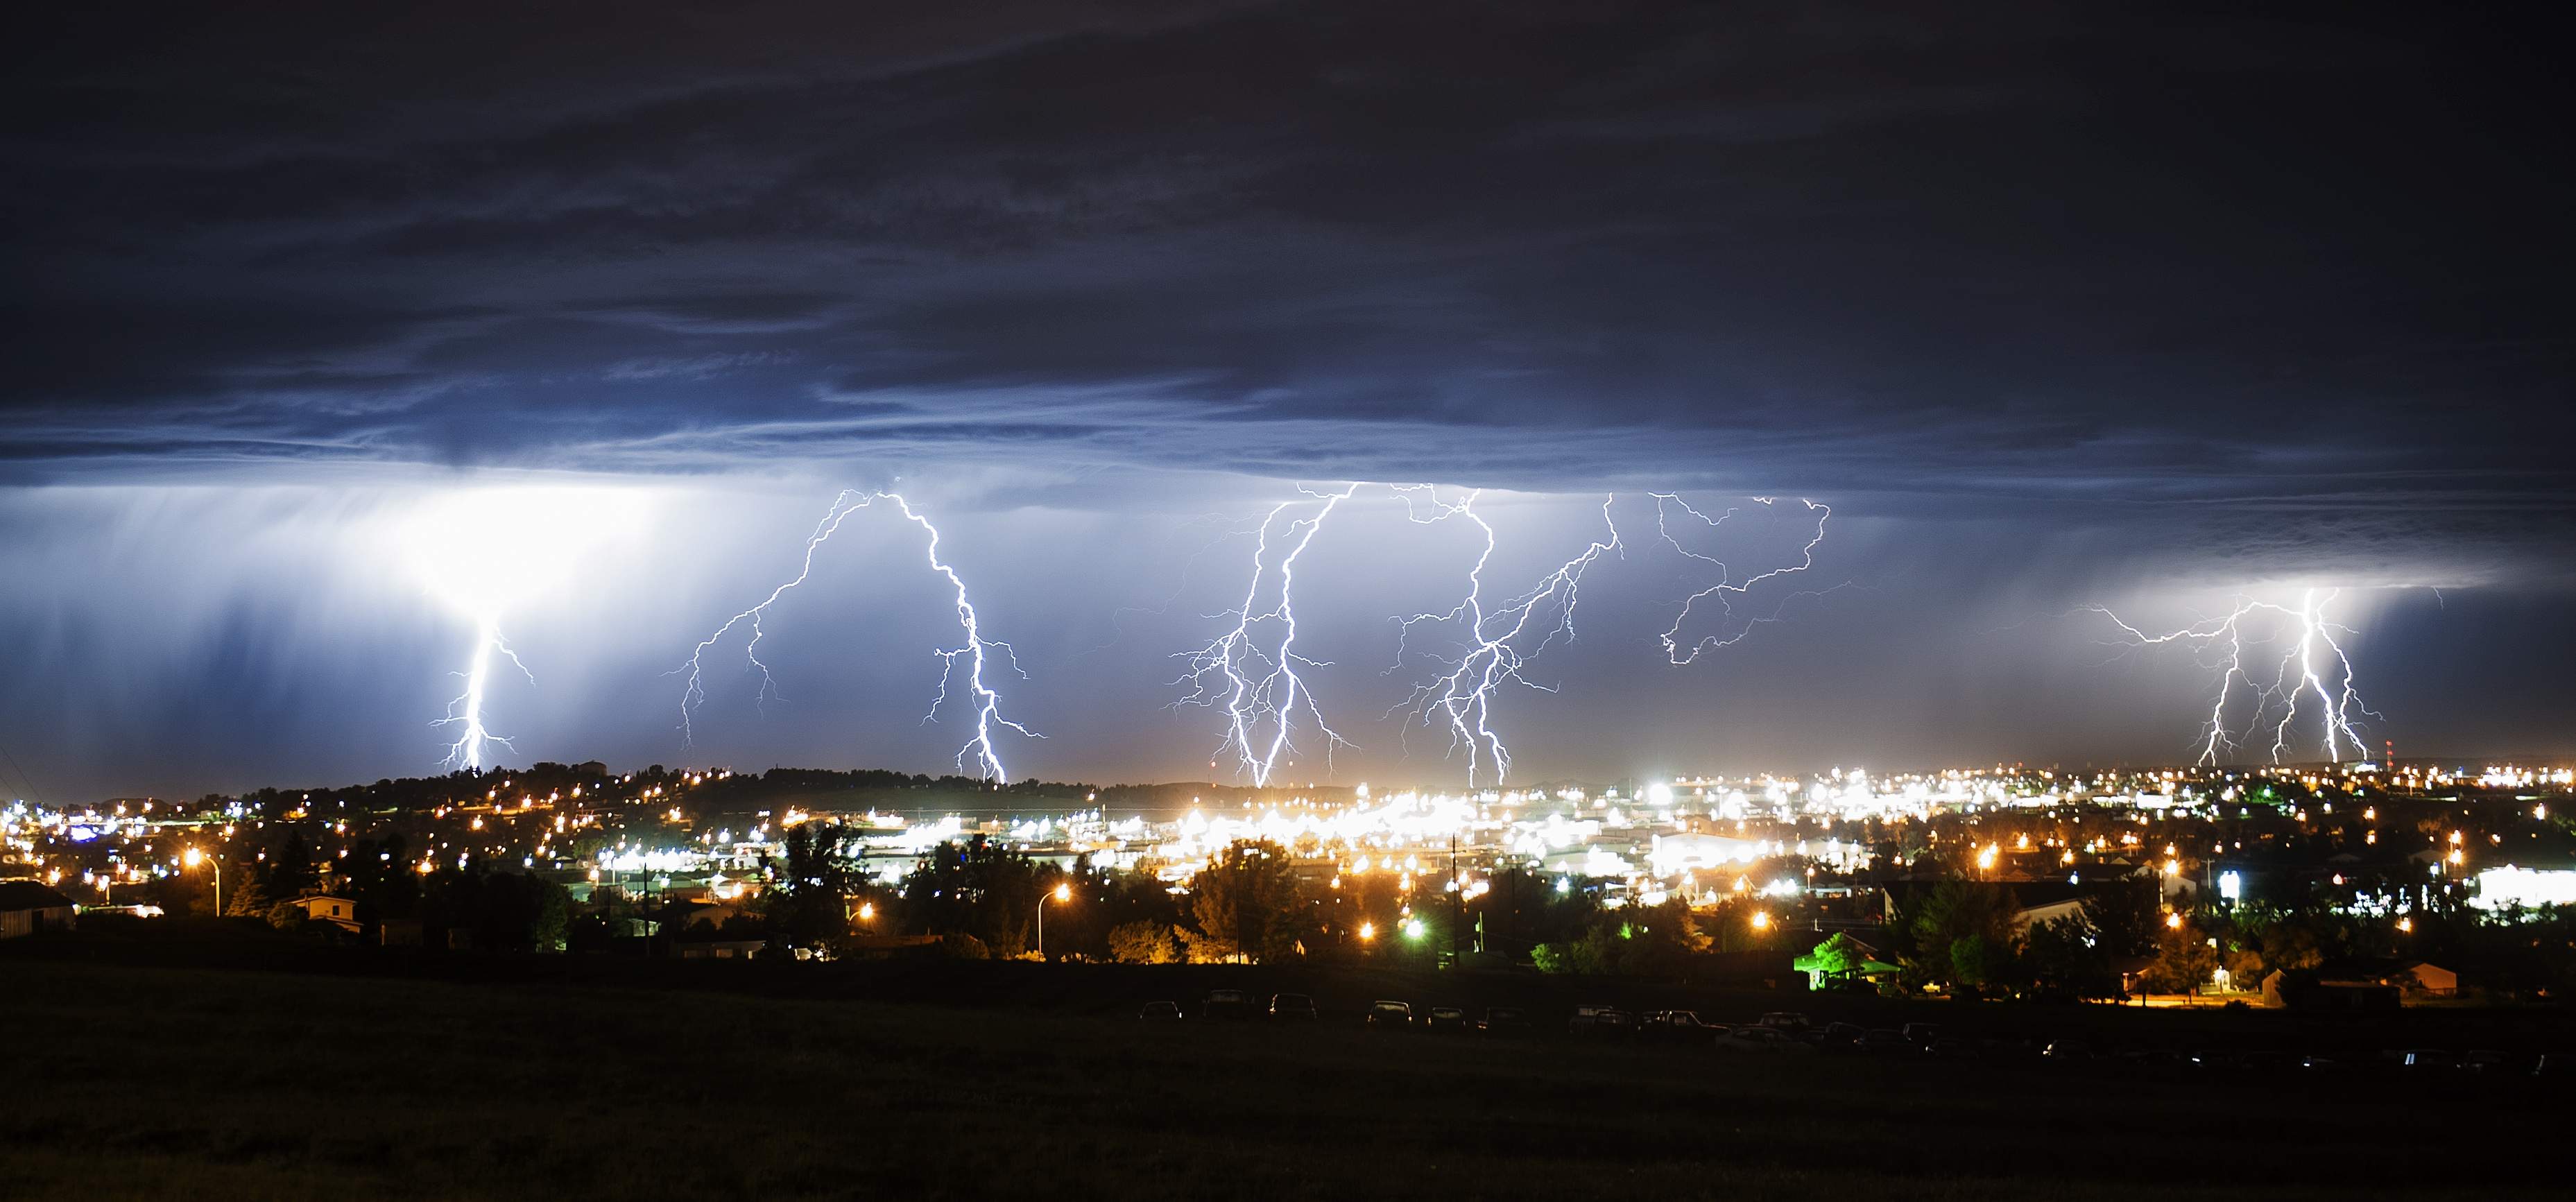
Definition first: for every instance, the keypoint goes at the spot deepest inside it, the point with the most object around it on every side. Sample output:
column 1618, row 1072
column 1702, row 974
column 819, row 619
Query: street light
column 192, row 858
column 1062, row 893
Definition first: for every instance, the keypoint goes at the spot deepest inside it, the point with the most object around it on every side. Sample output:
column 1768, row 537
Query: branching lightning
column 2313, row 666
column 1673, row 649
column 1497, row 642
column 1250, row 670
column 984, row 701
column 466, row 710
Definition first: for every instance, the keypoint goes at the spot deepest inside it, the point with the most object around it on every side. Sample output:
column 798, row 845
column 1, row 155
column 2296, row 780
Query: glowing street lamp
column 1061, row 893
column 192, row 858
column 1368, row 931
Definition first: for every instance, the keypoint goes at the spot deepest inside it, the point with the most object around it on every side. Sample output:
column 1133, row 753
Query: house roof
column 30, row 895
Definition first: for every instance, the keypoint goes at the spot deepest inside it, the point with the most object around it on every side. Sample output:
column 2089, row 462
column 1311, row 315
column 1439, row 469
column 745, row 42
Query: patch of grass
column 135, row 1082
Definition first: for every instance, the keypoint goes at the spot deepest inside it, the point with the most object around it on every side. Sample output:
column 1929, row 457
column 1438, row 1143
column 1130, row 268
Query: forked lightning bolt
column 1497, row 643
column 984, row 701
column 2313, row 666
column 1250, row 671
column 466, row 710
column 1673, row 649
column 693, row 694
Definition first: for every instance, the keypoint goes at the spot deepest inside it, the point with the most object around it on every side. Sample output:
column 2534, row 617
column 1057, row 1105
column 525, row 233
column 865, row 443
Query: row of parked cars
column 1789, row 1033
column 1234, row 1005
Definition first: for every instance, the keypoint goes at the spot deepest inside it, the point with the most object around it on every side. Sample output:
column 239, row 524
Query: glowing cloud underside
column 487, row 552
column 973, row 658
column 2245, row 645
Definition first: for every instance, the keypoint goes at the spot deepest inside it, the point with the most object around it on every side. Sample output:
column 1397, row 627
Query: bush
column 1144, row 943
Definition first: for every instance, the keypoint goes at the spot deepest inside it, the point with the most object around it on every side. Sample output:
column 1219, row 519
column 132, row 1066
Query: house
column 30, row 907
column 2355, row 984
column 1860, row 962
column 338, row 911
column 2404, row 976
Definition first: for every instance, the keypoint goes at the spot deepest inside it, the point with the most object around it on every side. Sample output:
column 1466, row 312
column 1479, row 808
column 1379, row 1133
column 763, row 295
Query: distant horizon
column 2470, row 763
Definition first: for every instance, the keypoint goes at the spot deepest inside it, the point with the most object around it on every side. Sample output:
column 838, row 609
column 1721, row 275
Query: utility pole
column 1458, row 891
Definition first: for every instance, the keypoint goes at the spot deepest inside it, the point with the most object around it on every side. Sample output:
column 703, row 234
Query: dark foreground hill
column 132, row 1081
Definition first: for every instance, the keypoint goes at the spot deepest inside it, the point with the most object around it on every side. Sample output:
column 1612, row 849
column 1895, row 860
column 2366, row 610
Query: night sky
column 2055, row 305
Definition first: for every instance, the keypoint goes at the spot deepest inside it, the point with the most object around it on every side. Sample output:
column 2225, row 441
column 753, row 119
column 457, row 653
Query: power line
column 23, row 778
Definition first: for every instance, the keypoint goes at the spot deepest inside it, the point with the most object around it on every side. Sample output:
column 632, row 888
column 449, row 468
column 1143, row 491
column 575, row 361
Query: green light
column 1413, row 928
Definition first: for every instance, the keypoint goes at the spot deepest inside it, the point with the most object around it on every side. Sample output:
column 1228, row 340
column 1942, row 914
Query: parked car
column 1602, row 1021
column 1787, row 1022
column 1674, row 1026
column 1227, row 1004
column 1160, row 1012
column 1950, row 1048
column 1883, row 1041
column 1386, row 1015
column 1920, row 1034
column 1446, row 1018
column 1292, row 1006
column 2427, row 1058
column 1505, row 1021
column 1760, row 1041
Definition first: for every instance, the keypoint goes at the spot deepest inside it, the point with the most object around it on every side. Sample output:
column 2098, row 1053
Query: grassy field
column 141, row 1082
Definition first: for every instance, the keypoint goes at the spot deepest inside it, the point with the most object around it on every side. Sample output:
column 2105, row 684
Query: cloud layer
column 2052, row 303
column 2036, row 255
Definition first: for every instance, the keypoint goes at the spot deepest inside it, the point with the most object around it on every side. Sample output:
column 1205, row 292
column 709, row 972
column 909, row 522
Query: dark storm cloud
column 2295, row 260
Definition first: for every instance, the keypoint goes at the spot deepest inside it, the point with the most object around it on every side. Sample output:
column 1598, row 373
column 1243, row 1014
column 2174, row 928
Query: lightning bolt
column 1247, row 674
column 693, row 694
column 1493, row 641
column 466, row 710
column 2314, row 665
column 984, row 701
column 1673, row 651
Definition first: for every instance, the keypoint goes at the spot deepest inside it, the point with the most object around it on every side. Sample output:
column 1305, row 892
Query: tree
column 1245, row 902
column 1145, row 942
column 977, row 888
column 806, row 904
column 1593, row 953
column 1981, row 962
column 1961, row 935
column 2125, row 918
column 498, row 911
column 1662, row 940
column 2184, row 961
column 1837, row 957
column 2067, row 955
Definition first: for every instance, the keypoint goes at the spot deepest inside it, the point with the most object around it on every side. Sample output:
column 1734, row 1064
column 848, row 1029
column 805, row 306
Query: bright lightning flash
column 982, row 699
column 1726, row 585
column 1497, row 643
column 2312, row 666
column 1250, row 671
column 488, row 551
